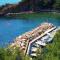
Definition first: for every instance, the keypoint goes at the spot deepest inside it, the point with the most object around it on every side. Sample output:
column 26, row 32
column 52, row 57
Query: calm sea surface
column 11, row 28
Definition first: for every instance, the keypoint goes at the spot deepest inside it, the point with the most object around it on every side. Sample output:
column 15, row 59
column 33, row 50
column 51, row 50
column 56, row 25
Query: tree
column 57, row 5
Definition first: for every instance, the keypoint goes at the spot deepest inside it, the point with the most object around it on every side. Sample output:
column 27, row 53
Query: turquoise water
column 11, row 28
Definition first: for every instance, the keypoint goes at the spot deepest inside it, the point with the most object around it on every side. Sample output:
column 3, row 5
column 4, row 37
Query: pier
column 39, row 37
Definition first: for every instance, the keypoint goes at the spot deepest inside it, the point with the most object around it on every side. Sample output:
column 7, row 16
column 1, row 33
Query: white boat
column 46, row 39
column 41, row 43
column 34, row 49
column 33, row 54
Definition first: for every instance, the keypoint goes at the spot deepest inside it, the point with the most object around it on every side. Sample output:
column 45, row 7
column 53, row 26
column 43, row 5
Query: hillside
column 30, row 5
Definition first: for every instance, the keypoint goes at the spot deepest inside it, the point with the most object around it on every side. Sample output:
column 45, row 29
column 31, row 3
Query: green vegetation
column 12, row 54
column 53, row 50
column 50, row 52
column 36, row 15
column 31, row 5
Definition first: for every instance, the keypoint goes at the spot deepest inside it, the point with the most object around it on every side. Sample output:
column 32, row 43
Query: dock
column 39, row 36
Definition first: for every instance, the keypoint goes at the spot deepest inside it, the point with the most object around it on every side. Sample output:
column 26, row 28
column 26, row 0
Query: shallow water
column 11, row 28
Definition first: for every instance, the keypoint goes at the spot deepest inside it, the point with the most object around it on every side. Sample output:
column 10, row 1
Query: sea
column 11, row 28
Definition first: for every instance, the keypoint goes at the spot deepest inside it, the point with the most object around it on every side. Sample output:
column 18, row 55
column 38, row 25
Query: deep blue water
column 11, row 28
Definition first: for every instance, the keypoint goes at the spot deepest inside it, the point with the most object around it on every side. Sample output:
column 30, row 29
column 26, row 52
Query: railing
column 38, row 38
